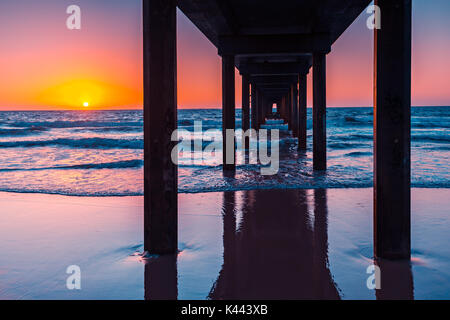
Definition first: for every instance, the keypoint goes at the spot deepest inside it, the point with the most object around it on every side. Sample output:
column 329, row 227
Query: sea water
column 100, row 153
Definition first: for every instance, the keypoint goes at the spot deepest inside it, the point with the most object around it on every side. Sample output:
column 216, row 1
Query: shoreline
column 213, row 191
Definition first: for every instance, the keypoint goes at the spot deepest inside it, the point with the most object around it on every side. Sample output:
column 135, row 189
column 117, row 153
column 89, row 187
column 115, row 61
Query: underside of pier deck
column 274, row 44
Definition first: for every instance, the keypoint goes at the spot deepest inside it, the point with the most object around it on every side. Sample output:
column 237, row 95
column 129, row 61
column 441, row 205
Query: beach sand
column 266, row 244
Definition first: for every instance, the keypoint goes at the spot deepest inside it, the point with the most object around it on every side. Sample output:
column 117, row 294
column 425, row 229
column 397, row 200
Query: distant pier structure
column 274, row 44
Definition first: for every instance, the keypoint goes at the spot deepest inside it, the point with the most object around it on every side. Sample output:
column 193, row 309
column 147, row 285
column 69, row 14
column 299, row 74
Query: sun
column 86, row 104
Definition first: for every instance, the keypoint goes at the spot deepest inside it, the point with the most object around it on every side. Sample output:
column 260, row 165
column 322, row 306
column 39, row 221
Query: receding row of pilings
column 392, row 104
column 291, row 108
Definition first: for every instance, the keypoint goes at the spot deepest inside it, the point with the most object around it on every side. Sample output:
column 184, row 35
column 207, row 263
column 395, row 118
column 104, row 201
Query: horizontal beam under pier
column 274, row 44
column 272, row 68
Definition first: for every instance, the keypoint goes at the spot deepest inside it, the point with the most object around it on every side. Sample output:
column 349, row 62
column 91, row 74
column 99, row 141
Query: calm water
column 97, row 153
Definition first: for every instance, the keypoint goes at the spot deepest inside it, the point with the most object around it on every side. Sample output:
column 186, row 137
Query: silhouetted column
column 245, row 111
column 392, row 131
column 396, row 280
column 254, row 107
column 289, row 110
column 160, row 120
column 264, row 108
column 245, row 103
column 294, row 102
column 302, row 128
column 319, row 112
column 229, row 243
column 260, row 108
column 322, row 289
column 228, row 112
column 161, row 278
column 284, row 108
column 320, row 239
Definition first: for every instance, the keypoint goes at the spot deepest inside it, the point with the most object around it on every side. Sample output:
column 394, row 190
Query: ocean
column 100, row 153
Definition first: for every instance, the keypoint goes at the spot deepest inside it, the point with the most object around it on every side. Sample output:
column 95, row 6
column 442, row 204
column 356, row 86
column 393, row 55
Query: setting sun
column 86, row 104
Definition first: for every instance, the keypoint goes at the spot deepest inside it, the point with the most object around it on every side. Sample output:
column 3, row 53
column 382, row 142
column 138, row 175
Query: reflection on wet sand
column 275, row 254
column 275, row 247
column 161, row 278
column 396, row 280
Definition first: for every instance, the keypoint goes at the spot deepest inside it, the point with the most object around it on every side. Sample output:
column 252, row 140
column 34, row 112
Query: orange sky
column 46, row 66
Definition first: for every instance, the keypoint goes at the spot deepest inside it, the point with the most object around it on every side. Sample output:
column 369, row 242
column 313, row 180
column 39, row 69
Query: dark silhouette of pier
column 274, row 44
column 275, row 256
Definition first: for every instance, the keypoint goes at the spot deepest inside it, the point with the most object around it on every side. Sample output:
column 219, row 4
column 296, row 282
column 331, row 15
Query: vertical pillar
column 253, row 106
column 265, row 108
column 245, row 111
column 289, row 109
column 319, row 112
column 245, row 103
column 160, row 120
column 302, row 129
column 284, row 108
column 392, row 131
column 228, row 112
column 161, row 278
column 294, row 103
column 396, row 280
column 320, row 252
column 260, row 108
column 229, row 244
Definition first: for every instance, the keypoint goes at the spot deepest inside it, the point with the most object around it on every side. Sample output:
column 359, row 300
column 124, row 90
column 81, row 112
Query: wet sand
column 266, row 244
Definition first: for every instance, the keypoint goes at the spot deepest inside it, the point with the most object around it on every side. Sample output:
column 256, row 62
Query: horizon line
column 184, row 108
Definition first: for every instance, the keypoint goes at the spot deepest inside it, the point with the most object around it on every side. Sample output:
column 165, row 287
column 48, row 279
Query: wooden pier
column 274, row 44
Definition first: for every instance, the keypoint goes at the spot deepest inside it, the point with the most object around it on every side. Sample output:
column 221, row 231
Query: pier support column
column 260, row 108
column 254, row 107
column 228, row 113
column 319, row 112
column 289, row 110
column 160, row 120
column 266, row 109
column 245, row 110
column 302, row 129
column 392, row 131
column 245, row 103
column 284, row 107
column 294, row 102
column 281, row 108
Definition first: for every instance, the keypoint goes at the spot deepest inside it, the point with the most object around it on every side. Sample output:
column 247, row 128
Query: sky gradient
column 46, row 66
